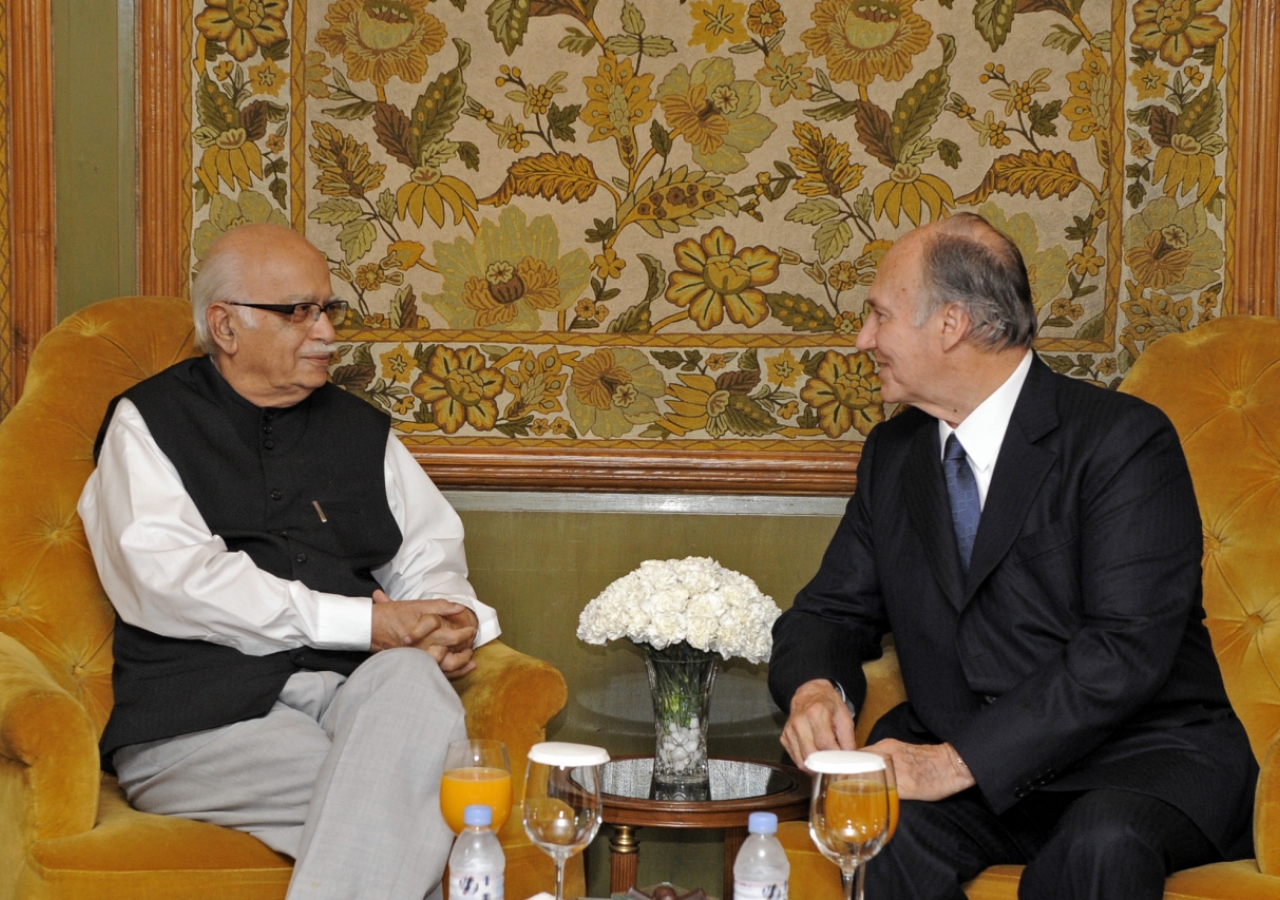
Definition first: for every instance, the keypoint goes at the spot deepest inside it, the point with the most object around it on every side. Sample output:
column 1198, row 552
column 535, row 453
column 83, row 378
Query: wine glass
column 562, row 800
column 854, row 809
column 476, row 771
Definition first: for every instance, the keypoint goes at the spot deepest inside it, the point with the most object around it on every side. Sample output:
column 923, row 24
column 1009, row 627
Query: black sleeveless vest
column 301, row 490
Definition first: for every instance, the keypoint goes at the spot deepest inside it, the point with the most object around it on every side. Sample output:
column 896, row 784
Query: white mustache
column 317, row 347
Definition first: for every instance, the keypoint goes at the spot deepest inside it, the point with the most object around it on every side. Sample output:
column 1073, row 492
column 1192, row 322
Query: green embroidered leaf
column 917, row 109
column 351, row 111
column 949, row 153
column 993, row 19
column 623, row 44
column 1042, row 117
column 391, row 127
column 578, row 42
column 438, row 107
column 279, row 51
column 632, row 20
column 469, row 153
column 356, row 239
column 813, row 212
column 336, row 211
column 748, row 418
column 875, row 130
column 660, row 138
column 832, row 238
column 668, row 359
column 560, row 121
column 799, row 313
column 657, row 275
column 215, row 108
column 508, row 21
column 1202, row 116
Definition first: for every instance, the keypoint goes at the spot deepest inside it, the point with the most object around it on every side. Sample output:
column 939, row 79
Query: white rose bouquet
column 693, row 600
column 683, row 611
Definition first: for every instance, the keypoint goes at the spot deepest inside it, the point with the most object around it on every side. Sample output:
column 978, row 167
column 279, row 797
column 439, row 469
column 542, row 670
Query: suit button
column 301, row 557
column 988, row 699
column 269, row 444
column 276, row 495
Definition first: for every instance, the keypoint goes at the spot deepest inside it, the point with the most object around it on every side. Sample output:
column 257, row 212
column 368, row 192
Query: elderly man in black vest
column 252, row 524
column 1033, row 543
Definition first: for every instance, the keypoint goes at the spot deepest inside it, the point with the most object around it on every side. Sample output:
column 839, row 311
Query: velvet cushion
column 65, row 830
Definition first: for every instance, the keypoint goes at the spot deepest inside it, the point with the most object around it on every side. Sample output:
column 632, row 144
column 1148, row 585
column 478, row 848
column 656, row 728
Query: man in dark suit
column 1033, row 543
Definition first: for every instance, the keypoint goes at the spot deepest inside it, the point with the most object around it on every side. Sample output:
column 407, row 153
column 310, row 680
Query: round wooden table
column 737, row 788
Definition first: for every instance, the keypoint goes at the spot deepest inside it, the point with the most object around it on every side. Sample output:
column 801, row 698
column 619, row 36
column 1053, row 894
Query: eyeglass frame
column 291, row 309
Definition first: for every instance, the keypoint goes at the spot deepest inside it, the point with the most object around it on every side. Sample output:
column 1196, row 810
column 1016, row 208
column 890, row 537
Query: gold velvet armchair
column 1220, row 384
column 65, row 828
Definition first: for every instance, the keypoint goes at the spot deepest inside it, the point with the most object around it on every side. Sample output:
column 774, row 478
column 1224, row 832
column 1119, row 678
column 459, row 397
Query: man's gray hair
column 969, row 263
column 218, row 279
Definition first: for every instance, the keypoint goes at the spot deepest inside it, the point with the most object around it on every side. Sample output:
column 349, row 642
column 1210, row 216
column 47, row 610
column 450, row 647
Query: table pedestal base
column 624, row 859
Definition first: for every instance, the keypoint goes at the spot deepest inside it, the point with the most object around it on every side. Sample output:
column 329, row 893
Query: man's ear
column 955, row 325
column 222, row 328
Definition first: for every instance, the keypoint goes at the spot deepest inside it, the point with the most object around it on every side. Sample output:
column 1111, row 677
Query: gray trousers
column 343, row 774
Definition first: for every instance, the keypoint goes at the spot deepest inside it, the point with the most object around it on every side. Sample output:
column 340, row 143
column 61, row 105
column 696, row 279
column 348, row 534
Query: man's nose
column 322, row 329
column 867, row 337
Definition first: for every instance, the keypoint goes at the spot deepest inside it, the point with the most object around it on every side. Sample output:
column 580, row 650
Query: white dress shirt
column 982, row 431
column 165, row 571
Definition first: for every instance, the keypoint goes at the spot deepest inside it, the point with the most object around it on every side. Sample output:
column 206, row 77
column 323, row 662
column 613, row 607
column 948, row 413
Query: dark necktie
column 962, row 490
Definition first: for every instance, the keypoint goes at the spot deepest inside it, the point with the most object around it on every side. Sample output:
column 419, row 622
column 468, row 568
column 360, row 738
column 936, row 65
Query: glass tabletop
column 730, row 779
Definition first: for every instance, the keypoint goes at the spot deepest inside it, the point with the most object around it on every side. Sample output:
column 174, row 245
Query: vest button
column 301, row 557
column 276, row 495
column 269, row 444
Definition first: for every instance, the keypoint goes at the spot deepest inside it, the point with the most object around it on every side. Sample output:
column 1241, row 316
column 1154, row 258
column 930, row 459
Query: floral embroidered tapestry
column 652, row 224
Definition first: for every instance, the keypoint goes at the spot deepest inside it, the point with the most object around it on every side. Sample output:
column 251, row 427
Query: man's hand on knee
column 819, row 720
column 422, row 624
column 925, row 771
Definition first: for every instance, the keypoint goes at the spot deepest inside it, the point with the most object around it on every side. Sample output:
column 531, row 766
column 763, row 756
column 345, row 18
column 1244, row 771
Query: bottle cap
column 558, row 753
column 762, row 823
column 477, row 814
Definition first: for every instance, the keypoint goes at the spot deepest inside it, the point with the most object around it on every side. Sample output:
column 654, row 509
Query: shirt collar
column 982, row 432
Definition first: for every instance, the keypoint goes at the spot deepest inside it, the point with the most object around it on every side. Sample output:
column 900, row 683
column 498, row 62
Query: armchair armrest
column 884, row 692
column 511, row 697
column 52, row 791
column 1266, row 813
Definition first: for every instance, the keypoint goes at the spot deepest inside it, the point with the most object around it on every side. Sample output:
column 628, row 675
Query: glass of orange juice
column 854, row 809
column 476, row 771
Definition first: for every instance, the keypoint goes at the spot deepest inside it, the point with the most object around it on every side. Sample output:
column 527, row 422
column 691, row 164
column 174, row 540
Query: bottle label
column 475, row 887
column 758, row 890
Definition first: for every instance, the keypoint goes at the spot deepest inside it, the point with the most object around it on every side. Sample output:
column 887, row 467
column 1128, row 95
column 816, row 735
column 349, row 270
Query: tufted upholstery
column 65, row 828
column 1220, row 385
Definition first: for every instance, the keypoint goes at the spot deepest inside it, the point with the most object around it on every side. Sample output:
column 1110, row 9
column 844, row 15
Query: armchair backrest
column 50, row 597
column 1220, row 384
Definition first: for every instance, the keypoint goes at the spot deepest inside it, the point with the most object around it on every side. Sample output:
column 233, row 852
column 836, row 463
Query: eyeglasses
column 302, row 313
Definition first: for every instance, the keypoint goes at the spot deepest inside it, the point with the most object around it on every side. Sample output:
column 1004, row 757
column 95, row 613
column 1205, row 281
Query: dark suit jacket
column 1073, row 655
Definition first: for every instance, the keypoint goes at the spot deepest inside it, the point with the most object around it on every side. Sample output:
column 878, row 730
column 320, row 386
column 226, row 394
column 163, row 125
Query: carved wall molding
column 33, row 282
column 1254, row 275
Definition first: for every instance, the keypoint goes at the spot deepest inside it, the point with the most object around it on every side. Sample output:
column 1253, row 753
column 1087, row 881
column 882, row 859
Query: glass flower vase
column 680, row 682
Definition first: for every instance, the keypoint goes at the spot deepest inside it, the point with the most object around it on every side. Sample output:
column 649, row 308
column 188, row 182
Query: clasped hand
column 442, row 628
column 820, row 720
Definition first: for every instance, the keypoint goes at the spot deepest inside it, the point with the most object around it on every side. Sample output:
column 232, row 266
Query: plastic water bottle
column 476, row 864
column 761, row 870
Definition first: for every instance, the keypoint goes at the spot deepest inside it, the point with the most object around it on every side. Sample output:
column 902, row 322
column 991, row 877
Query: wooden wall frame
column 33, row 279
column 1252, row 282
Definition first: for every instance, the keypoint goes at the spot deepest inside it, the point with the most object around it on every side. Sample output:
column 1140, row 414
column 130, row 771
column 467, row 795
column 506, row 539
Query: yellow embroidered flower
column 715, row 113
column 1149, row 80
column 585, row 308
column 843, row 276
column 1017, row 94
column 369, row 277
column 404, row 405
column 824, row 162
column 1184, row 167
column 275, row 143
column 540, row 427
column 848, row 323
column 765, row 18
column 1176, row 28
column 613, row 390
column 1194, row 75
column 398, row 364
column 717, row 361
column 224, row 69
column 1172, row 248
column 713, row 278
column 460, row 389
column 1089, row 107
column 1062, row 308
column 1140, row 148
column 698, row 404
column 608, row 264
column 786, row 76
column 345, row 167
column 561, row 427
column 716, row 21
column 495, row 298
column 785, row 369
column 232, row 158
column 316, row 72
column 510, row 134
column 990, row 131
column 429, row 192
column 381, row 39
column 911, row 191
column 1088, row 261
column 865, row 38
column 1107, row 366
column 243, row 25
column 617, row 101
column 845, row 393
column 267, row 78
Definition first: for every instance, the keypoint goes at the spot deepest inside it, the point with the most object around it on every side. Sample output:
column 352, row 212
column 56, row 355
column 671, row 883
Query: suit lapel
column 1020, row 469
column 927, row 505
